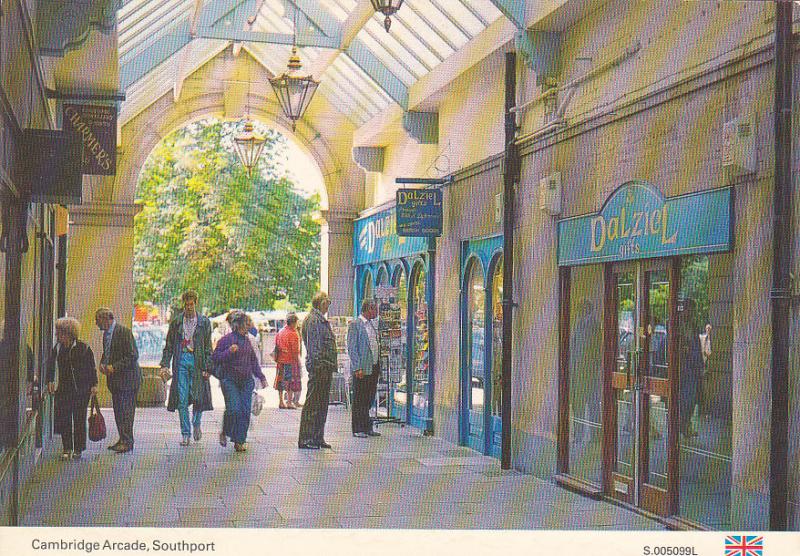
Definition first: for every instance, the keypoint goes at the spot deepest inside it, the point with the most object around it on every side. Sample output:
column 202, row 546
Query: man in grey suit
column 120, row 364
column 362, row 347
column 321, row 362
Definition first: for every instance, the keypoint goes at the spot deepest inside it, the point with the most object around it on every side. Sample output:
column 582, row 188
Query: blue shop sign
column 375, row 239
column 419, row 212
column 637, row 222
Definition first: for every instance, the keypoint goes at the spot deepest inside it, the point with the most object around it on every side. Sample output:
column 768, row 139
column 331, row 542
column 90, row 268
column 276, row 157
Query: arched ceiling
column 363, row 69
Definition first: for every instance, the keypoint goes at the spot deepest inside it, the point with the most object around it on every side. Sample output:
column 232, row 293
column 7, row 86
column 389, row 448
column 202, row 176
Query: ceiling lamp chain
column 387, row 8
column 294, row 92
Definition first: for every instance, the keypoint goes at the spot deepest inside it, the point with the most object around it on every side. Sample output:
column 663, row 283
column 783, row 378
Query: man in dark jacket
column 120, row 364
column 188, row 347
column 321, row 363
column 72, row 378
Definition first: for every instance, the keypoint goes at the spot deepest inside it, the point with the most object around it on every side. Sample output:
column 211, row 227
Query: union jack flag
column 744, row 545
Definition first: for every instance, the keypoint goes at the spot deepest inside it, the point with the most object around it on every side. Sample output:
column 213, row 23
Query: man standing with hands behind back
column 320, row 364
column 120, row 364
column 362, row 347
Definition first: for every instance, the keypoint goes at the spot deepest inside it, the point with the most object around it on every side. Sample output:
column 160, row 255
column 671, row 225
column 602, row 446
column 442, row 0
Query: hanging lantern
column 294, row 93
column 387, row 8
column 248, row 146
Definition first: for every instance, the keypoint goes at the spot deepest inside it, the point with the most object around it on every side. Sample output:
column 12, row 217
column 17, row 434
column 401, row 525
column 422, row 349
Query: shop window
column 401, row 389
column 475, row 349
column 366, row 287
column 586, row 372
column 419, row 361
column 706, row 337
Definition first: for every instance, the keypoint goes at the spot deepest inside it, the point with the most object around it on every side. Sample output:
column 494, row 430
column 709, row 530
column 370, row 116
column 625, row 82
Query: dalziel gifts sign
column 637, row 222
column 419, row 212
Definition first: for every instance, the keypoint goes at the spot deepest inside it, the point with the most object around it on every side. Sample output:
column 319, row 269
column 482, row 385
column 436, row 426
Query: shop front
column 645, row 366
column 382, row 258
column 480, row 422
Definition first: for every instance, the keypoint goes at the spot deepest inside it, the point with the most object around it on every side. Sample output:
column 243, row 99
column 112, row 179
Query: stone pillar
column 752, row 341
column 100, row 263
column 340, row 273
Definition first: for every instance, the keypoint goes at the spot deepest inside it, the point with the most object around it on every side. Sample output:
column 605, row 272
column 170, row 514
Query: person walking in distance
column 287, row 346
column 362, row 347
column 188, row 347
column 320, row 363
column 120, row 365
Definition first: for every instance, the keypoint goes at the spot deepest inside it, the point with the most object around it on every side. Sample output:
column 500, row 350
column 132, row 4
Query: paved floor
column 399, row 480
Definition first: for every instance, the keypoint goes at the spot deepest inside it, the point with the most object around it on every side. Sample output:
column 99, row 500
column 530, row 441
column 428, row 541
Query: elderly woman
column 72, row 378
column 238, row 365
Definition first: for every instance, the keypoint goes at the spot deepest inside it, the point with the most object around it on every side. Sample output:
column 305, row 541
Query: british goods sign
column 637, row 222
column 375, row 239
column 419, row 212
column 97, row 127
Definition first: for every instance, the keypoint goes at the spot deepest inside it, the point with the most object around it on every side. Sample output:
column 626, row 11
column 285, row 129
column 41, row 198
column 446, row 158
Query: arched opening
column 247, row 241
column 383, row 277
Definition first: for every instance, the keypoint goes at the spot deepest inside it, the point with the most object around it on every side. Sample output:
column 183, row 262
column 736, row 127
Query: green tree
column 240, row 241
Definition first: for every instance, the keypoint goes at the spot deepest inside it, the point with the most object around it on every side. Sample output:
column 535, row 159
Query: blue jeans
column 185, row 372
column 238, row 403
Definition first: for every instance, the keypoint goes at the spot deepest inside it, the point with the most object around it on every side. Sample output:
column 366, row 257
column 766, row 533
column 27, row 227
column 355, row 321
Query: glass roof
column 360, row 78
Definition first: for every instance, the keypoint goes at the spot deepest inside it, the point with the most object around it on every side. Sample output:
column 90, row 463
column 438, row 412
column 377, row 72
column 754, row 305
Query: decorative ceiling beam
column 356, row 50
column 514, row 11
column 423, row 127
column 159, row 50
column 351, row 26
column 241, row 35
column 248, row 26
column 369, row 159
column 180, row 69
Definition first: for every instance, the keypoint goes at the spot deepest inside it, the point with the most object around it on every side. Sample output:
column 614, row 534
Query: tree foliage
column 240, row 241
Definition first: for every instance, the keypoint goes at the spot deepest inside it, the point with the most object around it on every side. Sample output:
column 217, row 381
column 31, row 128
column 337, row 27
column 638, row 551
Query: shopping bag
column 258, row 403
column 97, row 425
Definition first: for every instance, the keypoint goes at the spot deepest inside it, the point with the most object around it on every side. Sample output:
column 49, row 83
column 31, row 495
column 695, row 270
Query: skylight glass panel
column 401, row 54
column 387, row 59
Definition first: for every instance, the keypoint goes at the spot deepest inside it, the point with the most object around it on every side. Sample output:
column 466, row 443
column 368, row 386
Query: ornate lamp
column 294, row 92
column 248, row 146
column 387, row 8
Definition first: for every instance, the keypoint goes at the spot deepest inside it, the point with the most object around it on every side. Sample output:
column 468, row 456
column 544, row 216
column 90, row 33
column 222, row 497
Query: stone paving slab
column 398, row 480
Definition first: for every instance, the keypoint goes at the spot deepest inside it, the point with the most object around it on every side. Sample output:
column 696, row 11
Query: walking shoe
column 76, row 455
column 123, row 448
column 198, row 433
column 185, row 441
column 240, row 447
column 324, row 444
column 360, row 434
column 373, row 433
column 66, row 455
column 115, row 444
column 308, row 446
column 223, row 440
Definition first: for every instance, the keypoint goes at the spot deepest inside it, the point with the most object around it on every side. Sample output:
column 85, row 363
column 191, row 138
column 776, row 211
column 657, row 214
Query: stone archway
column 100, row 265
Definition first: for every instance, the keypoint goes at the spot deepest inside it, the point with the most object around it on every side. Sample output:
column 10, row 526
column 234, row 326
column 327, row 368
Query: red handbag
column 97, row 425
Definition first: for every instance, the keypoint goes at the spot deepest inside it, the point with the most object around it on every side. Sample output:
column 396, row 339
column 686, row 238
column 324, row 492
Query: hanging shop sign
column 97, row 127
column 637, row 222
column 375, row 239
column 419, row 212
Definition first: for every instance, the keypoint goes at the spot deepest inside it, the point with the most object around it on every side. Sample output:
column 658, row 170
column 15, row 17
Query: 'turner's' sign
column 637, row 222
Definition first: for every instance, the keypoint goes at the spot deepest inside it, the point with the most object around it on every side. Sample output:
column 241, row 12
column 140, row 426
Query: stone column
column 339, row 272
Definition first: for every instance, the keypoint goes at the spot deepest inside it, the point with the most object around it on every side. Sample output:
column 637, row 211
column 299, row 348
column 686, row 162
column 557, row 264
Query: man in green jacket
column 188, row 347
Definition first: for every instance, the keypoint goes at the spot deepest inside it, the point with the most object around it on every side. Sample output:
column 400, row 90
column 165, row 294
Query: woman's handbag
column 97, row 425
column 258, row 403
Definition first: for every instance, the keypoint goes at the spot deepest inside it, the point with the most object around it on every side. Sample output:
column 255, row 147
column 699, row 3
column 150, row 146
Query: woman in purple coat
column 238, row 364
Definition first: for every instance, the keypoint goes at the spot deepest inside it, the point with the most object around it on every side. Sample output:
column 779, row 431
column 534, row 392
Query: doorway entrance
column 640, row 379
